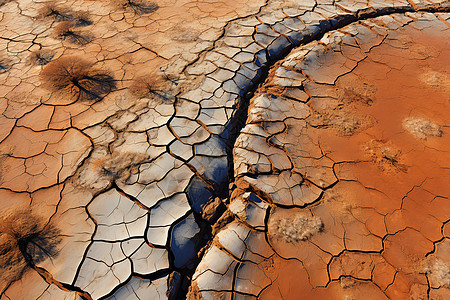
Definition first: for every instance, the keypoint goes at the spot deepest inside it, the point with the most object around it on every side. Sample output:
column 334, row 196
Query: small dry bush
column 52, row 11
column 4, row 65
column 422, row 128
column 25, row 240
column 122, row 166
column 61, row 14
column 151, row 86
column 3, row 2
column 438, row 272
column 385, row 156
column 41, row 57
column 363, row 94
column 76, row 78
column 293, row 228
column 345, row 121
column 66, row 31
column 139, row 7
column 82, row 19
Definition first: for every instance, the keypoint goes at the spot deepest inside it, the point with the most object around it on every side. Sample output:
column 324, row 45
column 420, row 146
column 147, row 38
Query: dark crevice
column 239, row 119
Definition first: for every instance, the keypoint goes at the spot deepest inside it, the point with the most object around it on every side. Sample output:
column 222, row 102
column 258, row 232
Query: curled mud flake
column 295, row 228
column 78, row 79
column 25, row 240
column 194, row 292
column 139, row 7
column 41, row 57
column 385, row 156
column 422, row 128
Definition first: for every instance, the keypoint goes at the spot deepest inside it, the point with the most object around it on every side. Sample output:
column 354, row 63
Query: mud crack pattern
column 212, row 150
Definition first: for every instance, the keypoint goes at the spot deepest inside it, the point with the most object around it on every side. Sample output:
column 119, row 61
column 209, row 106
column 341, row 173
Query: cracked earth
column 277, row 149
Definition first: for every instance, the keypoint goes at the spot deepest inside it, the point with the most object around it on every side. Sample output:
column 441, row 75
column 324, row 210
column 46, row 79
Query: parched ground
column 224, row 150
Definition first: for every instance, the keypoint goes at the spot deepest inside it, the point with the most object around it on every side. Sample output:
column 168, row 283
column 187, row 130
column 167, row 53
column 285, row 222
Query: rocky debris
column 121, row 124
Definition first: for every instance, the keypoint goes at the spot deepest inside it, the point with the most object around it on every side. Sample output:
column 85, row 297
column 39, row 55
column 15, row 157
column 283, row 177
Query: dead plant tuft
column 4, row 65
column 294, row 228
column 82, row 19
column 25, row 240
column 66, row 31
column 3, row 2
column 422, row 128
column 138, row 7
column 121, row 167
column 41, row 57
column 386, row 156
column 151, row 86
column 52, row 11
column 76, row 78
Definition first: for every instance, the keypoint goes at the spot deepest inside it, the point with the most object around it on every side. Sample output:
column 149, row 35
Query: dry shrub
column 138, row 7
column 422, row 128
column 82, row 19
column 121, row 167
column 438, row 272
column 4, row 65
column 385, row 156
column 25, row 240
column 293, row 228
column 345, row 121
column 41, row 57
column 66, row 31
column 152, row 85
column 361, row 94
column 76, row 78
column 52, row 11
column 439, row 80
column 343, row 113
column 3, row 2
column 60, row 14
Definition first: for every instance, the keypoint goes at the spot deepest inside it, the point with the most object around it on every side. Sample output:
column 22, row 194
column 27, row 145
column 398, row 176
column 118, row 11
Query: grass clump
column 41, row 57
column 67, row 31
column 25, row 240
column 77, row 78
column 4, row 66
column 52, row 11
column 61, row 14
column 139, row 7
column 294, row 228
column 422, row 128
column 151, row 86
